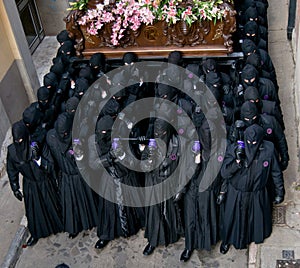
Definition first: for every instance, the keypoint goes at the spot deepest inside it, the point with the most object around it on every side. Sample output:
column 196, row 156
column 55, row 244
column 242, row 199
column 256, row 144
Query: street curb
column 252, row 255
column 15, row 248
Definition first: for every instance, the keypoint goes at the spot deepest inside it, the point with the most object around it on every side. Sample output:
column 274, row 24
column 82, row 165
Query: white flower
column 99, row 7
column 214, row 10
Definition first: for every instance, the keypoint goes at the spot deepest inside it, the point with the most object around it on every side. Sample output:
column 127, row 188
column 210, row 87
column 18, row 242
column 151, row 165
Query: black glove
column 78, row 152
column 283, row 164
column 278, row 200
column 226, row 89
column 240, row 153
column 151, row 153
column 224, row 111
column 18, row 195
column 220, row 199
column 198, row 118
column 239, row 90
column 118, row 152
column 35, row 150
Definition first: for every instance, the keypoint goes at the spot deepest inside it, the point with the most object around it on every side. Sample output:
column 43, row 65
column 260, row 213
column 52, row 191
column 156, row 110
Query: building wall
column 18, row 78
column 18, row 43
column 7, row 69
column 4, row 119
column 297, row 22
column 296, row 50
column 52, row 14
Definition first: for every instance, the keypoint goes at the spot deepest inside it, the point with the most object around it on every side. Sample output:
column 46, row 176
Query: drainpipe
column 291, row 20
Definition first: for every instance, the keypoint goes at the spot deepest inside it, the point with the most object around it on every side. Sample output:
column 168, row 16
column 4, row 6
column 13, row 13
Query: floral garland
column 130, row 14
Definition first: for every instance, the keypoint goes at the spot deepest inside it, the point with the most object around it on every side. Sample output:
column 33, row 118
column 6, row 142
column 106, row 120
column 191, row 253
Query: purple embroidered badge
column 180, row 131
column 173, row 157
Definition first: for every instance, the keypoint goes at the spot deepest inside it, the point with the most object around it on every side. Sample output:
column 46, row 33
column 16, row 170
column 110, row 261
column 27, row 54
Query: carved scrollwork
column 219, row 32
column 151, row 33
column 93, row 3
column 181, row 34
column 129, row 38
column 74, row 30
column 229, row 26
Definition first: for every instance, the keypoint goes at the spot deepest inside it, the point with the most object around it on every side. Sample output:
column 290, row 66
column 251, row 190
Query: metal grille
column 288, row 254
column 288, row 264
column 279, row 215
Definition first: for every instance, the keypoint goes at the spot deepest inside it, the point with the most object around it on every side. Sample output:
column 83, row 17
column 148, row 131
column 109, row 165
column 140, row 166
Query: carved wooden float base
column 159, row 52
column 202, row 38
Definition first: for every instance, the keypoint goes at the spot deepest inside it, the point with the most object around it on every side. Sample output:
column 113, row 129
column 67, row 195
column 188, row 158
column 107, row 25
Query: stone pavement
column 80, row 253
column 281, row 249
column 283, row 246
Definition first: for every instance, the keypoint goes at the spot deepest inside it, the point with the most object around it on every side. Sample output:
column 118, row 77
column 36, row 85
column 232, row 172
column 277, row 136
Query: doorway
column 31, row 22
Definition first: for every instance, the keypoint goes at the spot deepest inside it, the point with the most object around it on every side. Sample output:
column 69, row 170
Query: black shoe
column 224, row 248
column 73, row 235
column 185, row 255
column 101, row 243
column 31, row 241
column 148, row 250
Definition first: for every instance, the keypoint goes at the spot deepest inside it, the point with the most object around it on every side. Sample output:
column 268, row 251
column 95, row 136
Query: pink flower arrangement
column 125, row 14
column 130, row 14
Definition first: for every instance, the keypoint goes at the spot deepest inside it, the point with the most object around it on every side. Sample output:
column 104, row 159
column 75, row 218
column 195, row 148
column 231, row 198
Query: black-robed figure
column 200, row 208
column 78, row 205
column 40, row 196
column 249, row 48
column 163, row 226
column 264, row 106
column 272, row 130
column 248, row 203
column 115, row 219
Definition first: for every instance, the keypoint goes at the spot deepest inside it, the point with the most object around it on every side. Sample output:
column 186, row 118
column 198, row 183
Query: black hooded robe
column 247, row 208
column 200, row 208
column 115, row 220
column 163, row 225
column 41, row 201
column 78, row 205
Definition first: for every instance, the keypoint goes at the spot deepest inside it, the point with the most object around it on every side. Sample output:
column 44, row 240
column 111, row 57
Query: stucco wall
column 6, row 59
column 18, row 76
column 18, row 43
column 296, row 49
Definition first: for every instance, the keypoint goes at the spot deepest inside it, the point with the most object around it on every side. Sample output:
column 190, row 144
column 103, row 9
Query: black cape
column 77, row 198
column 248, row 208
column 42, row 207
